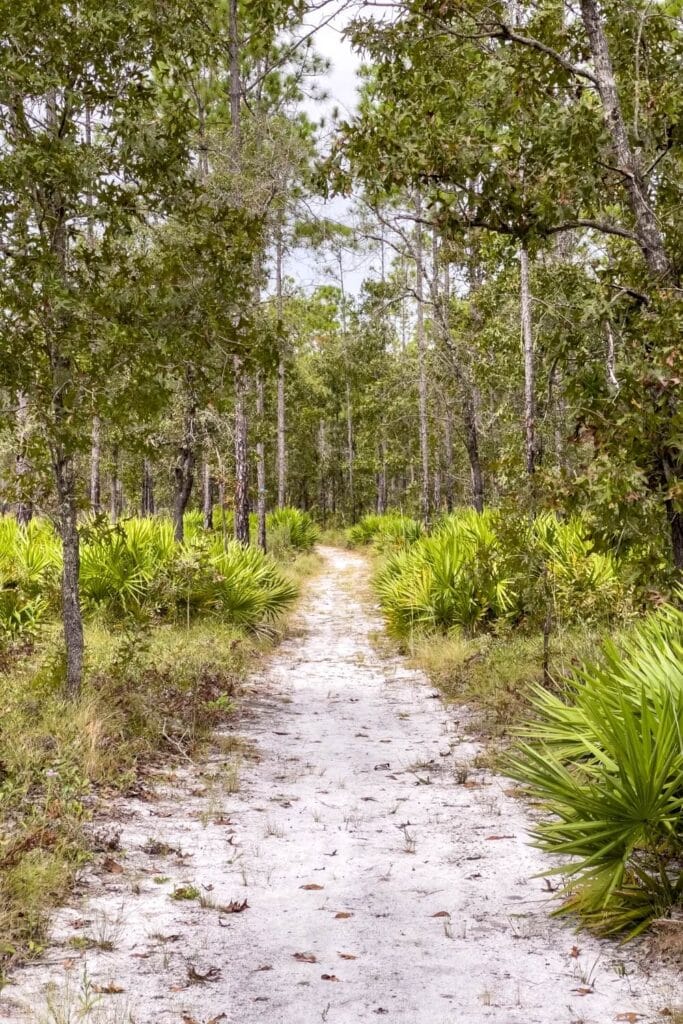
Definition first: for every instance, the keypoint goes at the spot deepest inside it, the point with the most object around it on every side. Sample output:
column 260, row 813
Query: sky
column 309, row 270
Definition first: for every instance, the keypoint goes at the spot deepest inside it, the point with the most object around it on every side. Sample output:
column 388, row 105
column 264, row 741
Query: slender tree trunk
column 650, row 238
column 261, row 461
column 425, row 504
column 448, row 458
column 531, row 442
column 281, row 381
column 350, row 455
column 382, row 478
column 183, row 472
column 207, row 495
column 441, row 304
column 72, row 618
column 95, row 463
column 22, row 468
column 241, row 456
column 675, row 519
column 116, row 489
column 147, row 489
column 610, row 359
column 241, row 424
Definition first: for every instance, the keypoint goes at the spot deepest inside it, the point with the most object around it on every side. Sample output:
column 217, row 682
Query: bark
column 610, row 359
column 425, row 503
column 650, row 238
column 349, row 407
column 448, row 458
column 675, row 519
column 95, row 463
column 116, row 489
column 531, row 441
column 382, row 479
column 24, row 508
column 281, row 380
column 72, row 619
column 440, row 302
column 261, row 462
column 148, row 507
column 207, row 495
column 183, row 472
column 241, row 455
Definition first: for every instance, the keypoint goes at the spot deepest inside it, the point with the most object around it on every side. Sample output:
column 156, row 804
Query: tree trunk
column 24, row 505
column 116, row 489
column 448, row 458
column 241, row 456
column 675, row 519
column 207, row 495
column 281, row 379
column 95, row 461
column 261, row 461
column 650, row 238
column 72, row 619
column 147, row 489
column 382, row 479
column 425, row 504
column 531, row 442
column 183, row 473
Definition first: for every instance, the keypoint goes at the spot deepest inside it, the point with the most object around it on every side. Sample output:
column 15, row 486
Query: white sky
column 309, row 270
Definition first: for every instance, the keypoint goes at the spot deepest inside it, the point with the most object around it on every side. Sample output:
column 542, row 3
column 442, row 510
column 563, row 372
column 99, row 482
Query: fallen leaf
column 197, row 978
column 108, row 990
column 312, row 887
column 489, row 838
column 574, row 952
column 234, row 907
column 343, row 915
column 215, row 1020
column 631, row 1017
column 305, row 958
column 329, row 977
column 68, row 964
column 348, row 956
column 583, row 991
column 441, row 913
column 266, row 967
column 112, row 866
column 380, row 1009
column 187, row 1019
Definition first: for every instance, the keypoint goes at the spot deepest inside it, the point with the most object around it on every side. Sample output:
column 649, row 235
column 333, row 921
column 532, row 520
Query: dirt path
column 378, row 885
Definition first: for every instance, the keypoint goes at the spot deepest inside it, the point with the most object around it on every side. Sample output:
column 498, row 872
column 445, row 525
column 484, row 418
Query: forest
column 405, row 369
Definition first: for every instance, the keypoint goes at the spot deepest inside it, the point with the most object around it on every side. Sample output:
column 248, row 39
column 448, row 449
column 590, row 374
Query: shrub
column 480, row 569
column 390, row 532
column 609, row 769
column 291, row 528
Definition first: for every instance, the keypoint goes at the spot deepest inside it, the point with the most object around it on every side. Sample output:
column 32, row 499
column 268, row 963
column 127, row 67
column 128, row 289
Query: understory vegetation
column 536, row 626
column 170, row 632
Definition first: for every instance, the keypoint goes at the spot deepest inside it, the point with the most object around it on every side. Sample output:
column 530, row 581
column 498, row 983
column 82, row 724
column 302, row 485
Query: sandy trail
column 356, row 844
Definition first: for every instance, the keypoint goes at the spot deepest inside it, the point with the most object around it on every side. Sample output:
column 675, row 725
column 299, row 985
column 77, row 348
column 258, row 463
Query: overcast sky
column 341, row 85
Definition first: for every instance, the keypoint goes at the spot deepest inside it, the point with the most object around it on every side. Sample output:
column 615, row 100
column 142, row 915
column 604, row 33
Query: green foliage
column 291, row 528
column 391, row 532
column 609, row 769
column 135, row 569
column 480, row 570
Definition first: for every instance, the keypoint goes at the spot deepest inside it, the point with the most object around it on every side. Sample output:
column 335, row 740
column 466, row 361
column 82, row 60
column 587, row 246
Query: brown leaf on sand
column 441, row 913
column 305, row 958
column 342, row 915
column 583, row 991
column 329, row 977
column 574, row 952
column 312, row 887
column 108, row 990
column 489, row 838
column 234, row 907
column 187, row 1019
column 215, row 1020
column 197, row 978
column 348, row 956
column 630, row 1017
column 112, row 866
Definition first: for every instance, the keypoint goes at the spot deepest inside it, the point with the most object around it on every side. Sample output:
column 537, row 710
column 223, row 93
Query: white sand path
column 411, row 895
